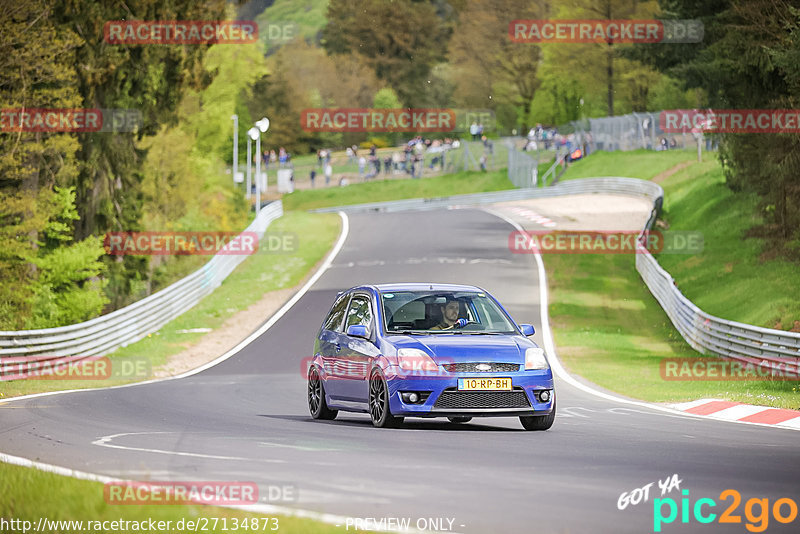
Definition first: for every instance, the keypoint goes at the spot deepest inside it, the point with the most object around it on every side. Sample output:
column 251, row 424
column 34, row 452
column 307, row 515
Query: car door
column 357, row 353
column 330, row 343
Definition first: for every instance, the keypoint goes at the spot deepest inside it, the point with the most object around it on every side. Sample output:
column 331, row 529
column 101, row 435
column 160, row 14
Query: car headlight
column 415, row 360
column 535, row 359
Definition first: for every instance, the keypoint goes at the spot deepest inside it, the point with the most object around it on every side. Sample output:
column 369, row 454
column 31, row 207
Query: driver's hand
column 461, row 323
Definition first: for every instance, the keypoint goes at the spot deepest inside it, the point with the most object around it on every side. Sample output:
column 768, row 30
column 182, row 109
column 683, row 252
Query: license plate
column 487, row 384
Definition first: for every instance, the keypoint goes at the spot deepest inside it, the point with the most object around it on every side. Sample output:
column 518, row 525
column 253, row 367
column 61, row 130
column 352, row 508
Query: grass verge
column 610, row 330
column 732, row 278
column 644, row 164
column 30, row 494
column 257, row 275
column 384, row 190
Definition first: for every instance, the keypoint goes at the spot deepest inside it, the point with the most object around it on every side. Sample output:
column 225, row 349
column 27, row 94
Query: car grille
column 453, row 399
column 470, row 367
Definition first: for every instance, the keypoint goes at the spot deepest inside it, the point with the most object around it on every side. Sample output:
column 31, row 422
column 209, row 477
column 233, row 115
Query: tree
column 601, row 66
column 386, row 98
column 748, row 59
column 490, row 69
column 44, row 278
column 400, row 41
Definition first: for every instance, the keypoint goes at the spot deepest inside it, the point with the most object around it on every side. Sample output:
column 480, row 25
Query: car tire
column 459, row 419
column 317, row 404
column 539, row 422
column 379, row 410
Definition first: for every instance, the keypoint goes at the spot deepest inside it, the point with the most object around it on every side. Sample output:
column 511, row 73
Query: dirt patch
column 235, row 329
column 660, row 177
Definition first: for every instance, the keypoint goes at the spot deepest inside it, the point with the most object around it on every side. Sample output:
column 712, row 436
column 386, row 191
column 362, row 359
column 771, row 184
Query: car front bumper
column 444, row 399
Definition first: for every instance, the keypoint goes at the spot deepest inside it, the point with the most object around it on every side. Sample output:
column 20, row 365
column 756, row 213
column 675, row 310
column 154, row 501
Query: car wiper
column 407, row 332
column 485, row 333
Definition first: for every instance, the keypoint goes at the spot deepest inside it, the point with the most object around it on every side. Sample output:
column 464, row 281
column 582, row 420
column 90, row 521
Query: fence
column 104, row 334
column 467, row 156
column 631, row 132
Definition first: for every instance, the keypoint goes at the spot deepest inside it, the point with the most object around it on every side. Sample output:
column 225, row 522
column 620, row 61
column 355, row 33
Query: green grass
column 644, row 164
column 252, row 279
column 729, row 279
column 610, row 330
column 608, row 327
column 30, row 494
column 383, row 190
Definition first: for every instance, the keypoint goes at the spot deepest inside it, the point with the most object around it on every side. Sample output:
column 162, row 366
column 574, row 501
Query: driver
column 450, row 311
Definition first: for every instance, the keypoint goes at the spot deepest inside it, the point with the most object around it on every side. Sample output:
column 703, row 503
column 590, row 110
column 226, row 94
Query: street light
column 252, row 135
column 249, row 161
column 235, row 146
column 255, row 134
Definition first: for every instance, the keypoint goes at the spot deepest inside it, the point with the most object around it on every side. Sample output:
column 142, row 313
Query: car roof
column 425, row 287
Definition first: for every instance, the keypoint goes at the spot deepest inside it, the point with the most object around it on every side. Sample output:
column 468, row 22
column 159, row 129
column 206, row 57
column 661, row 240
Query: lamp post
column 235, row 147
column 255, row 134
column 249, row 164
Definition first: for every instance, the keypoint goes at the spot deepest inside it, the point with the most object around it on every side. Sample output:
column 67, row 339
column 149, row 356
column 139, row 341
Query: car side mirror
column 357, row 330
column 527, row 329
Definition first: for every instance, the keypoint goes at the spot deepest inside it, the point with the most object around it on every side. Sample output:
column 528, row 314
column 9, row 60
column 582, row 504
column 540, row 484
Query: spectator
column 473, row 130
column 273, row 157
column 396, row 161
column 362, row 163
column 483, row 162
column 387, row 164
column 487, row 144
column 328, row 174
column 350, row 156
column 313, row 175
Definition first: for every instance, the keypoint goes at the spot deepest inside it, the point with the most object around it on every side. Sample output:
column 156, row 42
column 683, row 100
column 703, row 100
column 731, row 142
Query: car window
column 493, row 317
column 334, row 319
column 359, row 312
column 423, row 311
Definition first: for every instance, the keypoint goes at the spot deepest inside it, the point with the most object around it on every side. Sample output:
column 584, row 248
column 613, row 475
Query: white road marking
column 562, row 373
column 267, row 509
column 737, row 412
column 295, row 447
column 105, row 441
column 232, row 352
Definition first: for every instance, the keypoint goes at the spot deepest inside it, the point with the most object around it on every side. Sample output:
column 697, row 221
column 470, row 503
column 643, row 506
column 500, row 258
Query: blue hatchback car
column 428, row 350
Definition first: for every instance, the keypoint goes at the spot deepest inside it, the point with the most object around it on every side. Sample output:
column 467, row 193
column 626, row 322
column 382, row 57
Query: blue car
column 428, row 350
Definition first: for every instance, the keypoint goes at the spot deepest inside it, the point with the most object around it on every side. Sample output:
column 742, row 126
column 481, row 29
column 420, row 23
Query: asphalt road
column 246, row 420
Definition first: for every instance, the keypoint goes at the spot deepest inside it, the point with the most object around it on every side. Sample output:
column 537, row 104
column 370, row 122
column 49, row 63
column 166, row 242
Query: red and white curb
column 736, row 411
column 532, row 216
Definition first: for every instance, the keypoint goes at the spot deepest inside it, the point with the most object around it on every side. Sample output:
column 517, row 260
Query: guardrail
column 704, row 332
column 101, row 335
column 604, row 185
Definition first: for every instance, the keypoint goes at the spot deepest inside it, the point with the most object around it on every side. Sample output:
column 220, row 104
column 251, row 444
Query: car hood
column 468, row 348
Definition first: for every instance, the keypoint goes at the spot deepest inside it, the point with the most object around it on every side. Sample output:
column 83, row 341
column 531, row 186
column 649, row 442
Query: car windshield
column 444, row 312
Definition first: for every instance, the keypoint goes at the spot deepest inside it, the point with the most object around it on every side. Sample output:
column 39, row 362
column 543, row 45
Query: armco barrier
column 704, row 332
column 108, row 332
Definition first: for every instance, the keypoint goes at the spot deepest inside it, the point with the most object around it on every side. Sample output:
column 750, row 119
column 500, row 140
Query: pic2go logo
column 783, row 510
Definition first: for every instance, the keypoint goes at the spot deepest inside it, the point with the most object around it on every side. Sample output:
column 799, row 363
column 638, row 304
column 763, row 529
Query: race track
column 246, row 419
